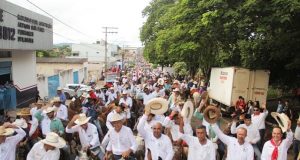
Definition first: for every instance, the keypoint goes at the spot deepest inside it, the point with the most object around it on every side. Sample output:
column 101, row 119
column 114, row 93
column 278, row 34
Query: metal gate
column 75, row 77
column 53, row 83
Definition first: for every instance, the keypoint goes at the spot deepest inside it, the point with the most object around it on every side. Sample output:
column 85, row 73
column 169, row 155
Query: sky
column 90, row 16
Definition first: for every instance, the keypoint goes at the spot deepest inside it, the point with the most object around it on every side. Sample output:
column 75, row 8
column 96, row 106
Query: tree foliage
column 255, row 34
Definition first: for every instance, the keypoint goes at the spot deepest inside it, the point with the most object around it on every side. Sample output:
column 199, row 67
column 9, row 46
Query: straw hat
column 24, row 112
column 82, row 119
column 116, row 117
column 59, row 89
column 20, row 123
column 56, row 99
column 84, row 95
column 54, row 140
column 187, row 110
column 157, row 106
column 97, row 88
column 124, row 92
column 282, row 120
column 89, row 89
column 6, row 131
column 211, row 114
column 176, row 90
column 49, row 109
column 176, row 82
column 160, row 81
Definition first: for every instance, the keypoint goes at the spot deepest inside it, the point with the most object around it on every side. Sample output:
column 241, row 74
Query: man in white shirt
column 276, row 148
column 252, row 137
column 122, row 143
column 259, row 119
column 237, row 148
column 158, row 146
column 61, row 110
column 111, row 95
column 200, row 148
column 48, row 148
column 88, row 134
column 9, row 143
column 118, row 110
column 146, row 96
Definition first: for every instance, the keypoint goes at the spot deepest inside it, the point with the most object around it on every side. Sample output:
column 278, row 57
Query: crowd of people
column 145, row 115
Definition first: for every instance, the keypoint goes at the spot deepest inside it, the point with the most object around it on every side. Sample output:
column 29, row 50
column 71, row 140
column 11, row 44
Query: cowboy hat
column 157, row 106
column 176, row 90
column 20, row 123
column 176, row 82
column 82, row 119
column 56, row 99
column 211, row 114
column 160, row 81
column 49, row 109
column 84, row 95
column 6, row 131
column 24, row 112
column 282, row 120
column 187, row 110
column 116, row 117
column 124, row 92
column 59, row 89
column 54, row 140
column 97, row 88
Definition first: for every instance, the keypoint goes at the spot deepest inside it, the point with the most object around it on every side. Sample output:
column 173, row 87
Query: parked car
column 70, row 89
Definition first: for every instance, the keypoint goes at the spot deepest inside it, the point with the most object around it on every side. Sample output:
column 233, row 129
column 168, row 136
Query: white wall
column 42, row 85
column 65, row 77
column 94, row 52
column 23, row 69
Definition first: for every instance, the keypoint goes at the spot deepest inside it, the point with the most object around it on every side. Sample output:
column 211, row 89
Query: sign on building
column 23, row 29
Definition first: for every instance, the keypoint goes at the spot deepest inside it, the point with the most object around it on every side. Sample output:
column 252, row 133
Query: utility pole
column 106, row 32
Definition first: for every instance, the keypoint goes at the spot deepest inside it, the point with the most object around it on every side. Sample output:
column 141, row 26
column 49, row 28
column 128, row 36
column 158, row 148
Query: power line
column 106, row 32
column 58, row 19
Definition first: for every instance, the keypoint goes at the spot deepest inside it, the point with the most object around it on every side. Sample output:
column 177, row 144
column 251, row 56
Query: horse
column 74, row 107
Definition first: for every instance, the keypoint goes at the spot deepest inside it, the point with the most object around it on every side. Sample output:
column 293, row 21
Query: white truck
column 227, row 84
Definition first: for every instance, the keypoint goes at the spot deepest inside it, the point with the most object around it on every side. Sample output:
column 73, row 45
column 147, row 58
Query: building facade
column 22, row 32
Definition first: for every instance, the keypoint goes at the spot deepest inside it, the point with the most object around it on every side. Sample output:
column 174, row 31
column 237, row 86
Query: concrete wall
column 65, row 77
column 42, row 85
column 23, row 69
column 54, row 68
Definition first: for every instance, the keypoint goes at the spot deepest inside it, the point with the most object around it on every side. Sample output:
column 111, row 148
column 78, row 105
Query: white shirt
column 159, row 147
column 109, row 117
column 253, row 135
column 8, row 148
column 147, row 98
column 101, row 96
column 62, row 112
column 111, row 96
column 128, row 101
column 259, row 120
column 198, row 151
column 282, row 149
column 34, row 124
column 121, row 141
column 174, row 128
column 38, row 152
column 235, row 151
column 87, row 137
column 297, row 133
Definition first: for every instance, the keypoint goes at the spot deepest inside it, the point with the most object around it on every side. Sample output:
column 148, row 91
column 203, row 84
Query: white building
column 21, row 33
column 95, row 52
